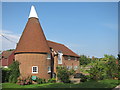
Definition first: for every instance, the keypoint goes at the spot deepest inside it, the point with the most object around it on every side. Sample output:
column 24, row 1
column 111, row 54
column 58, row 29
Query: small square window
column 34, row 69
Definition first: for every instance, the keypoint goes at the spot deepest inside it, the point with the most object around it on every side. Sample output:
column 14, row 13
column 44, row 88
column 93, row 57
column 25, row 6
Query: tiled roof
column 6, row 54
column 56, row 47
column 60, row 47
column 33, row 38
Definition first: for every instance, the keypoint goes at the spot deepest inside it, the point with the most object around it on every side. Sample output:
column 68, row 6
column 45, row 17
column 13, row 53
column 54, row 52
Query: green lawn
column 88, row 84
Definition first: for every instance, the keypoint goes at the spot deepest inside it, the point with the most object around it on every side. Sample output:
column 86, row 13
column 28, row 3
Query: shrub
column 14, row 72
column 82, row 77
column 97, row 71
column 5, row 74
column 111, row 66
column 40, row 81
column 52, row 80
column 84, row 60
column 78, row 75
column 24, row 81
column 63, row 74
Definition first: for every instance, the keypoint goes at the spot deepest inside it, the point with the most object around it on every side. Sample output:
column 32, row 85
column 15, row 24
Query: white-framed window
column 69, row 58
column 49, row 69
column 60, row 57
column 69, row 67
column 48, row 56
column 34, row 69
column 75, row 67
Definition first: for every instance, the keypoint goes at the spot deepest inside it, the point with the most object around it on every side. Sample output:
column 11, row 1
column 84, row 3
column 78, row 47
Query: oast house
column 38, row 56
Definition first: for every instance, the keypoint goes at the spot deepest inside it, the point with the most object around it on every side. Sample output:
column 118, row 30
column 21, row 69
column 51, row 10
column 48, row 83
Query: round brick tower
column 32, row 51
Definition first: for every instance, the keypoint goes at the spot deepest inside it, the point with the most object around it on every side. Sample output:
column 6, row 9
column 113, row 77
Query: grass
column 88, row 84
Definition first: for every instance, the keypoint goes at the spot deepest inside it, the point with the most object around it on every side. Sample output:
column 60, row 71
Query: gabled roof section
column 60, row 47
column 6, row 54
column 33, row 38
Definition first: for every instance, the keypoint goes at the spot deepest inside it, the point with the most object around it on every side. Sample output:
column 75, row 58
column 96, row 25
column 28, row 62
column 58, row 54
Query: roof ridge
column 55, row 42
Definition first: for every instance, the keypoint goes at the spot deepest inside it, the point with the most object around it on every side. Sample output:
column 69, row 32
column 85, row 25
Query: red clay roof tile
column 60, row 47
column 33, row 38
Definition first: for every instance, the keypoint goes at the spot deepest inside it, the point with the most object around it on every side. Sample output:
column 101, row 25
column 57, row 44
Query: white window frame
column 49, row 56
column 60, row 55
column 70, row 67
column 36, row 70
column 67, row 67
column 75, row 67
column 49, row 69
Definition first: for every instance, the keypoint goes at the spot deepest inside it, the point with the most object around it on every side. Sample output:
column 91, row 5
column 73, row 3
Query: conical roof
column 33, row 38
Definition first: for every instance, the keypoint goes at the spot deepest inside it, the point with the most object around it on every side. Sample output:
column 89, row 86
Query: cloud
column 8, row 40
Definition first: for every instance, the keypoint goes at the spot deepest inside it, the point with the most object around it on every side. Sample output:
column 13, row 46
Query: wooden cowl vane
column 33, row 38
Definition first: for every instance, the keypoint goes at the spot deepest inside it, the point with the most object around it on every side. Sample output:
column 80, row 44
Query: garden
column 99, row 73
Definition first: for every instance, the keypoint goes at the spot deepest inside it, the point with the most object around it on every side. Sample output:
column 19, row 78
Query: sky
column 89, row 28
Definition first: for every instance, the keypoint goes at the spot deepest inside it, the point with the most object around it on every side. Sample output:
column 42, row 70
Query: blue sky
column 87, row 28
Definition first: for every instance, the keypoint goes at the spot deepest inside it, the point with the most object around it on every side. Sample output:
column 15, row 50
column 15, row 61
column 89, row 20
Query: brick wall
column 29, row 60
column 65, row 62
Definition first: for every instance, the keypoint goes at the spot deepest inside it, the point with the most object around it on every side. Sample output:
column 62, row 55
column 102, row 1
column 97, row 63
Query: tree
column 64, row 74
column 15, row 73
column 119, row 66
column 10, row 50
column 97, row 70
column 111, row 66
column 84, row 60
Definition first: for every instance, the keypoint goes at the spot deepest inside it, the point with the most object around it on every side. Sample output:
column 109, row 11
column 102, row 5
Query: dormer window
column 48, row 56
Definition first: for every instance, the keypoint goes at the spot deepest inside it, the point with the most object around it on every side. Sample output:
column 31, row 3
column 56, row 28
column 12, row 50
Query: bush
column 14, row 72
column 78, row 75
column 24, row 81
column 111, row 66
column 5, row 74
column 97, row 71
column 52, row 80
column 40, row 81
column 63, row 74
column 82, row 77
column 84, row 60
